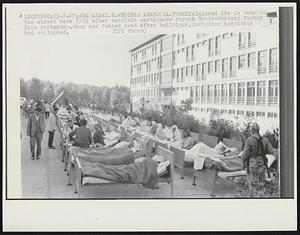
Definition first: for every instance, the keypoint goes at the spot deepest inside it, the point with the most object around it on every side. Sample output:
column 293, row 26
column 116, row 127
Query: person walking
column 35, row 130
column 255, row 160
column 53, row 125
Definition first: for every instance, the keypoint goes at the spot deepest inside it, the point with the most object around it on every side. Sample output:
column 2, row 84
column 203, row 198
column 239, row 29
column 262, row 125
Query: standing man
column 35, row 129
column 53, row 125
column 254, row 157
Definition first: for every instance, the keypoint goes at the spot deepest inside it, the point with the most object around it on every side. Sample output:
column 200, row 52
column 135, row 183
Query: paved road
column 46, row 178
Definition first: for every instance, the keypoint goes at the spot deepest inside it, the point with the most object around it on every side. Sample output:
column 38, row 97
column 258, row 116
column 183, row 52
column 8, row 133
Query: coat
column 53, row 123
column 35, row 126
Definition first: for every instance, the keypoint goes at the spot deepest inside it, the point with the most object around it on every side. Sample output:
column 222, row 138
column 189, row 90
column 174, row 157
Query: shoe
column 37, row 157
column 32, row 158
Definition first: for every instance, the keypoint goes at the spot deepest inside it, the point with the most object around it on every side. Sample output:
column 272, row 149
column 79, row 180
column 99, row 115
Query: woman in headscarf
column 187, row 142
column 176, row 136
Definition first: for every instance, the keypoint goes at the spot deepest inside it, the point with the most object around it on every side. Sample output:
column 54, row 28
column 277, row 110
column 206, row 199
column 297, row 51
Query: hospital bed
column 165, row 176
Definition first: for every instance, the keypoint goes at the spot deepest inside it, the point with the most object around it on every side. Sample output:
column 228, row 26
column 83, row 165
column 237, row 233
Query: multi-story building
column 231, row 74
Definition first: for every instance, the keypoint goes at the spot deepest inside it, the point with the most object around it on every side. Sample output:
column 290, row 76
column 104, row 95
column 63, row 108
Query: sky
column 85, row 59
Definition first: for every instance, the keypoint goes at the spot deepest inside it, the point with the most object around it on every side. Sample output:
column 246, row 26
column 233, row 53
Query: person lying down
column 145, row 172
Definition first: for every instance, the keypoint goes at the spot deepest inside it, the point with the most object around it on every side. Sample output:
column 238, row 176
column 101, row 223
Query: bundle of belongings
column 112, row 138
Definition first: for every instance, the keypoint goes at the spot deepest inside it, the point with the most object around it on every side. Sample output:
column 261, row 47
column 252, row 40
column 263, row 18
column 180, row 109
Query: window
column 198, row 72
column 217, row 66
column 192, row 92
column 251, row 39
column 217, row 94
column 225, row 35
column 224, row 94
column 273, row 61
column 210, row 67
column 251, row 60
column 250, row 93
column 193, row 52
column 273, row 92
column 203, row 94
column 262, row 62
column 242, row 40
column 187, row 55
column 182, row 73
column 272, row 115
column 192, row 70
column 174, row 58
column 232, row 93
column 241, row 93
column 250, row 114
column 178, row 75
column 260, row 114
column 242, row 61
column 211, row 47
column 204, row 71
column 230, row 111
column 261, row 93
column 233, row 66
column 210, row 93
column 197, row 99
column 224, row 68
column 240, row 112
column 218, row 45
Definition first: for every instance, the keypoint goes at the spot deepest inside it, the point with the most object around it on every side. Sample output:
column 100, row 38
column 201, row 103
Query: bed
column 107, row 174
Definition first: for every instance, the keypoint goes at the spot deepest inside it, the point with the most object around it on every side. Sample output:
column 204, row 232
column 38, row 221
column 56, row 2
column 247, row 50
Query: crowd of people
column 82, row 132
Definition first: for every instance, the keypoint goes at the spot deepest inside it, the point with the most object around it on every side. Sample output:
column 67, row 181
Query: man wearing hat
column 35, row 129
column 254, row 158
column 53, row 125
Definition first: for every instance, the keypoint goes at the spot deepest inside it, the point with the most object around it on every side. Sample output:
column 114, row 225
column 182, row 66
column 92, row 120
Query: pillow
column 220, row 147
column 162, row 167
column 159, row 158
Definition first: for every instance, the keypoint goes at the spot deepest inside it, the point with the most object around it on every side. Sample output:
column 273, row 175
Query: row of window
column 238, row 112
column 235, row 93
column 246, row 39
column 150, row 92
column 200, row 70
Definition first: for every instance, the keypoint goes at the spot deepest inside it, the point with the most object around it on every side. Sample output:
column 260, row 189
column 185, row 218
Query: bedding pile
column 109, row 156
column 143, row 172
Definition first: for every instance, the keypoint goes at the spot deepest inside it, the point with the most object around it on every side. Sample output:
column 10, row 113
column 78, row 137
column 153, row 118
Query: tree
column 186, row 105
column 35, row 89
column 48, row 92
column 23, row 88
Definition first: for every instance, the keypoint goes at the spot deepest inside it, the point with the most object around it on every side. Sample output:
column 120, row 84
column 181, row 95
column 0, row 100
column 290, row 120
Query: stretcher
column 167, row 176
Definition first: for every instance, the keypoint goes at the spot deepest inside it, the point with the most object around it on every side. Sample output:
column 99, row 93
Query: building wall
column 233, row 74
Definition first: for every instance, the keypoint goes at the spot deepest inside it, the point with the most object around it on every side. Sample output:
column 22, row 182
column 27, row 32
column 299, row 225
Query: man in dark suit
column 35, row 129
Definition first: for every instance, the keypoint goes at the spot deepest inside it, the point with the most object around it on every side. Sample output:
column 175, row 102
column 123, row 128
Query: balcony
column 273, row 100
column 251, row 43
column 232, row 73
column 261, row 70
column 224, row 100
column 242, row 45
column 240, row 100
column 273, row 68
column 232, row 100
column 250, row 100
column 224, row 74
column 260, row 100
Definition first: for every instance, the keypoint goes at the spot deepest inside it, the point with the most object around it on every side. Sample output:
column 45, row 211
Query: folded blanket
column 144, row 172
column 108, row 156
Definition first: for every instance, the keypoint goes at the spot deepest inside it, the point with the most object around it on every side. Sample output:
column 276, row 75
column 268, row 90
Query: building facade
column 230, row 74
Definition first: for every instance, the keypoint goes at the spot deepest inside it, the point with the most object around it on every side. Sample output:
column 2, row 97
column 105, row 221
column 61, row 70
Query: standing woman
column 53, row 125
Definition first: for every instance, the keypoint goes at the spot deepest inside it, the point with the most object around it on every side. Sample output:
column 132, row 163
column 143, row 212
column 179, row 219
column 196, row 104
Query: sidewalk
column 46, row 178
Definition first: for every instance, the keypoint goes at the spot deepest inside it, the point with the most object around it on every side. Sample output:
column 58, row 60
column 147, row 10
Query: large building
column 231, row 74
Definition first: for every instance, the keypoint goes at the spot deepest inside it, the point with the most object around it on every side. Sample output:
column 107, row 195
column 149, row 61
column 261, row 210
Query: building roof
column 147, row 42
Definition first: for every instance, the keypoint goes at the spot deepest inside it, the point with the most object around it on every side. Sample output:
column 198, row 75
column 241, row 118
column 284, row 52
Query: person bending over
column 83, row 135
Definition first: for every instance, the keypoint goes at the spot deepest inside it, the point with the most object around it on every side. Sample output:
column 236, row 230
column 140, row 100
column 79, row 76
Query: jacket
column 83, row 136
column 251, row 148
column 35, row 126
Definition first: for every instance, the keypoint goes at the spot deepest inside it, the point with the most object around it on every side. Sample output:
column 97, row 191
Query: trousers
column 51, row 137
column 37, row 138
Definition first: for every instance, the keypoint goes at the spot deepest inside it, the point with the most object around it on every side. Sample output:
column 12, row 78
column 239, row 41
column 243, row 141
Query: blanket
column 108, row 156
column 143, row 172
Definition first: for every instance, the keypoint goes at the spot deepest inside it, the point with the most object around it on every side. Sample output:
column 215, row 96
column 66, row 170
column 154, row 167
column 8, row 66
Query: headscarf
column 176, row 135
column 160, row 132
column 168, row 132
